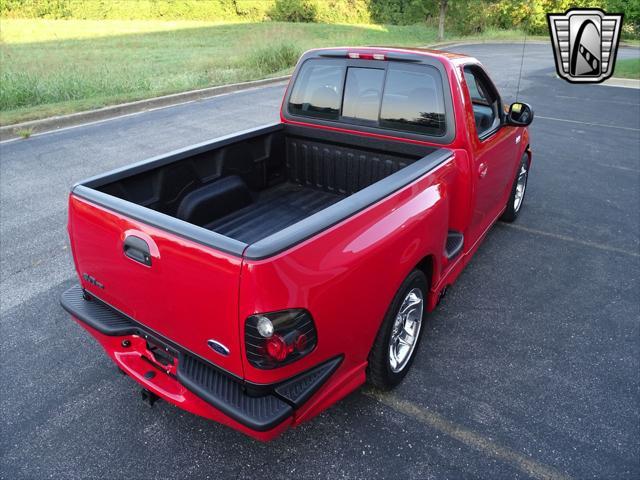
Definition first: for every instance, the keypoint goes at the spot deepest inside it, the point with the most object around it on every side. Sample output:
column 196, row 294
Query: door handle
column 482, row 170
column 137, row 249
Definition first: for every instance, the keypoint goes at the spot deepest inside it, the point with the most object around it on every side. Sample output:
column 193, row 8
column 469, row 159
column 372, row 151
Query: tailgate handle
column 137, row 249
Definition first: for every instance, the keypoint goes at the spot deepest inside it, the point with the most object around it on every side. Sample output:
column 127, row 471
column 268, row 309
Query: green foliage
column 531, row 16
column 343, row 11
column 266, row 61
column 627, row 68
column 469, row 18
column 217, row 10
column 463, row 16
column 403, row 12
column 257, row 10
column 35, row 8
column 25, row 132
column 294, row 11
column 23, row 88
column 321, row 11
column 631, row 10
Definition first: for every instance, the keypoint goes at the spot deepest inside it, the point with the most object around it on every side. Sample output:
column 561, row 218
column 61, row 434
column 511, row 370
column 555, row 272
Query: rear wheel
column 396, row 343
column 516, row 199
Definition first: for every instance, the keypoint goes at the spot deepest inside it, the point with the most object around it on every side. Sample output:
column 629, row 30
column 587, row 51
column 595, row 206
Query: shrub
column 273, row 59
column 294, row 11
column 35, row 8
column 343, row 11
column 256, row 10
column 217, row 10
column 403, row 12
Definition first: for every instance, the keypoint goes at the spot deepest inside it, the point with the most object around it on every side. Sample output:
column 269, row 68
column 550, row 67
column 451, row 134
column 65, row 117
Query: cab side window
column 485, row 101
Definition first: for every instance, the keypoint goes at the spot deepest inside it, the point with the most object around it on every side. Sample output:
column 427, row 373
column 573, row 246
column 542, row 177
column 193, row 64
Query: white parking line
column 619, row 167
column 470, row 438
column 587, row 123
column 567, row 238
column 593, row 100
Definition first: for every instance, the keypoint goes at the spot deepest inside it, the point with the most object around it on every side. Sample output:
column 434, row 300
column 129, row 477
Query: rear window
column 318, row 90
column 362, row 93
column 413, row 101
column 408, row 98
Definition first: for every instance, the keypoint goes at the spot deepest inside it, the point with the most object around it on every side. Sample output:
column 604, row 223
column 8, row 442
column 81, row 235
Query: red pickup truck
column 258, row 278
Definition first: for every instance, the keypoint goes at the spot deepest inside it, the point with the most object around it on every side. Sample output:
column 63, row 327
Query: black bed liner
column 259, row 192
column 275, row 209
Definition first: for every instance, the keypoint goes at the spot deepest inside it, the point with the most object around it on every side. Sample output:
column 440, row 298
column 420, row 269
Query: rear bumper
column 190, row 382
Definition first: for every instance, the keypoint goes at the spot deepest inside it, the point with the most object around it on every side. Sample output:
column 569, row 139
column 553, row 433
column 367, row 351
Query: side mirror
column 520, row 115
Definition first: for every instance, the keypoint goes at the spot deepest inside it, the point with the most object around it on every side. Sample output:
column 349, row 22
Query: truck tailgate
column 188, row 293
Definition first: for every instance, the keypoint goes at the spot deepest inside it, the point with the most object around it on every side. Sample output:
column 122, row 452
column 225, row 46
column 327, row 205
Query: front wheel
column 395, row 346
column 516, row 199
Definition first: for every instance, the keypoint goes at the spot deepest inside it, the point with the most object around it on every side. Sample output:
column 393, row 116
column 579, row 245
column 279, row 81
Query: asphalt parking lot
column 529, row 368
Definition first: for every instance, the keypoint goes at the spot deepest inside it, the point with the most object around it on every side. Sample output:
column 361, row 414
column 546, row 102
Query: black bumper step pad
column 258, row 413
column 96, row 314
column 300, row 388
column 215, row 387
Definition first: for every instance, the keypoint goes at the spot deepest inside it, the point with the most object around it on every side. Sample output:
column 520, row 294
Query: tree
column 443, row 13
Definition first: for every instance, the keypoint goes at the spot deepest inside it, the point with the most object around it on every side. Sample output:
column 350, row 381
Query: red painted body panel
column 190, row 282
column 345, row 276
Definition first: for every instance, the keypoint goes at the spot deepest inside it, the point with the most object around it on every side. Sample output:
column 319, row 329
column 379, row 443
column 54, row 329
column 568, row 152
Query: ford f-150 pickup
column 258, row 278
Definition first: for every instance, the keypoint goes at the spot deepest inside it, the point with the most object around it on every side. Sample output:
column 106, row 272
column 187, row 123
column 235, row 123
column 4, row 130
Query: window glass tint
column 318, row 90
column 476, row 89
column 413, row 101
column 485, row 105
column 362, row 93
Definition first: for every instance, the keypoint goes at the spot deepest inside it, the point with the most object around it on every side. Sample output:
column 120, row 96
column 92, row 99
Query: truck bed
column 256, row 193
column 273, row 210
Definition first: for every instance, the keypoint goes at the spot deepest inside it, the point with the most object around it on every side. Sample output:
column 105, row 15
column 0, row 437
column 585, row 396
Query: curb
column 622, row 82
column 64, row 121
column 461, row 43
column 612, row 82
column 518, row 41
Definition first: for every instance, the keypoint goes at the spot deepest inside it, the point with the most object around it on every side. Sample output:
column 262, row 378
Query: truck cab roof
column 406, row 53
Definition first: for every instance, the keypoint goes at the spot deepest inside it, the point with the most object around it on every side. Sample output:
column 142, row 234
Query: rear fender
column 347, row 275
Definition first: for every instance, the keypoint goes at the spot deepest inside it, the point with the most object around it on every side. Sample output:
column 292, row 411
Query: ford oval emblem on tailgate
column 218, row 347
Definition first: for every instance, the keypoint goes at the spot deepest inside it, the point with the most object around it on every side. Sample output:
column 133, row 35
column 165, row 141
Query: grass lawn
column 629, row 68
column 52, row 67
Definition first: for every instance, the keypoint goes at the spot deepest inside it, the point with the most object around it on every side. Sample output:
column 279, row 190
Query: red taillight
column 276, row 348
column 278, row 338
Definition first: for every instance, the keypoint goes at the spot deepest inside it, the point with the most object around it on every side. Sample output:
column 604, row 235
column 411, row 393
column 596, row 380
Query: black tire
column 379, row 371
column 512, row 212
